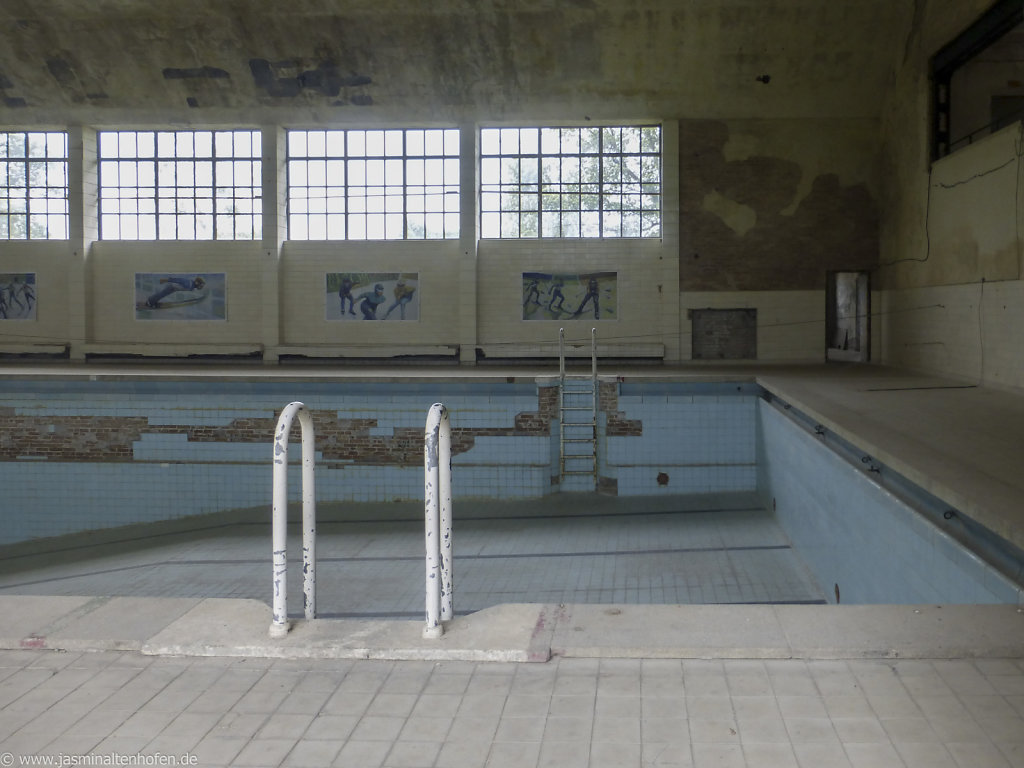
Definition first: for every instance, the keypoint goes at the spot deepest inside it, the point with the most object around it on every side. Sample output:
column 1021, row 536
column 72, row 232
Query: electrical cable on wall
column 941, row 185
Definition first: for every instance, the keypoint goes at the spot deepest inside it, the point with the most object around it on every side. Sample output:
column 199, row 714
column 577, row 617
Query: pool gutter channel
column 998, row 553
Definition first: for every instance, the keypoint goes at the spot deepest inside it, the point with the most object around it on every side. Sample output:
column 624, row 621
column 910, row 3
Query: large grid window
column 400, row 184
column 570, row 182
column 33, row 186
column 180, row 185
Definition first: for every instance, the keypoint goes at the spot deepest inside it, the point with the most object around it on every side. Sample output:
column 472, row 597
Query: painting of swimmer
column 375, row 296
column 18, row 296
column 584, row 296
column 180, row 296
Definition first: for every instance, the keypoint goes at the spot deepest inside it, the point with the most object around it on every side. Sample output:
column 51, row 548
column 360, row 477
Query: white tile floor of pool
column 690, row 550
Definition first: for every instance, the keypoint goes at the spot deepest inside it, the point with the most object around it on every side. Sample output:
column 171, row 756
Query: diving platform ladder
column 577, row 421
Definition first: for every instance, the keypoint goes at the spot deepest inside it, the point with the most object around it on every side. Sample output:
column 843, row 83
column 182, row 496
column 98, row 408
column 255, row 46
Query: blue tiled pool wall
column 862, row 543
column 69, row 480
column 86, row 455
column 696, row 438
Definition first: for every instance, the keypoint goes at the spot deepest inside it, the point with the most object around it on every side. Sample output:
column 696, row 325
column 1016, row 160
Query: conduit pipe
column 280, row 624
column 437, row 497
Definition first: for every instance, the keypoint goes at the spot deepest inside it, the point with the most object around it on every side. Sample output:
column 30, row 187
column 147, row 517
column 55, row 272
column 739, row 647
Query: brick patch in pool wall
column 617, row 424
column 112, row 438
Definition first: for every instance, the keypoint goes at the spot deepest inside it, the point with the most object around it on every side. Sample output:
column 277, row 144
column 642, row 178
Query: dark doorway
column 848, row 316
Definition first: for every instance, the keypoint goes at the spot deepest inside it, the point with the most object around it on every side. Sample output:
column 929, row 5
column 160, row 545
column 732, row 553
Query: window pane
column 182, row 181
column 451, row 142
column 393, row 143
column 489, row 141
column 586, row 169
column 37, row 144
column 297, row 144
column 510, row 141
column 399, row 174
column 335, row 143
column 165, row 143
column 146, row 144
column 375, row 143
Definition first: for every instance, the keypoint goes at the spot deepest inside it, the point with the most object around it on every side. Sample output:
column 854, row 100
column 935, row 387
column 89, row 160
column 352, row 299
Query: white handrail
column 561, row 354
column 437, row 498
column 280, row 625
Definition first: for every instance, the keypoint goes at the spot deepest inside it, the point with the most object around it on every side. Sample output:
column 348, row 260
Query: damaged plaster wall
column 774, row 205
column 767, row 209
column 951, row 248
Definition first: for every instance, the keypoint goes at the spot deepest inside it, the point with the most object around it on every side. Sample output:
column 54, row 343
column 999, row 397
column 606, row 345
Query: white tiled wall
column 646, row 291
column 50, row 261
column 111, row 275
column 969, row 332
column 303, row 270
column 790, row 324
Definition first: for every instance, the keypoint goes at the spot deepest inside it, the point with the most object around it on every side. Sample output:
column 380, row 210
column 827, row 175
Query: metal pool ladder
column 577, row 421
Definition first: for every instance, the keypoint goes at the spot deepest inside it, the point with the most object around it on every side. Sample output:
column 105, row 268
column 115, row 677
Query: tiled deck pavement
column 594, row 713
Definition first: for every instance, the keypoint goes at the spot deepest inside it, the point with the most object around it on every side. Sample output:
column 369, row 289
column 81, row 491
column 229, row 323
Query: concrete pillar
column 671, row 328
column 275, row 191
column 468, row 241
column 83, row 231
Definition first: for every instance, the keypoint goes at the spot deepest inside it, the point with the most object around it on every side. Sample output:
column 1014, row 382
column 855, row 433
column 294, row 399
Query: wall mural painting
column 582, row 296
column 180, row 296
column 390, row 296
column 17, row 296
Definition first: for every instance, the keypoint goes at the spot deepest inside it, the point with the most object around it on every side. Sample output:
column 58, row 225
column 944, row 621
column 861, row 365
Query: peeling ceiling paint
column 485, row 59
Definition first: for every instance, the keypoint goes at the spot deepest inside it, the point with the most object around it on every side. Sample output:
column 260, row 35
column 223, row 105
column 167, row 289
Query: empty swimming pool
column 710, row 491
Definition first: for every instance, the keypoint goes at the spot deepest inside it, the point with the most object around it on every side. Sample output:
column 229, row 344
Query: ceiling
column 106, row 61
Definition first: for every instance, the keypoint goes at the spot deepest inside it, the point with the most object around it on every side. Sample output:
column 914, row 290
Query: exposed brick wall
column 111, row 438
column 617, row 424
column 793, row 241
column 724, row 334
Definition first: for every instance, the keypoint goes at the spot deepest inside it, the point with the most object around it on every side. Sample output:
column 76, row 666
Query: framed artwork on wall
column 180, row 296
column 383, row 296
column 570, row 296
column 18, row 296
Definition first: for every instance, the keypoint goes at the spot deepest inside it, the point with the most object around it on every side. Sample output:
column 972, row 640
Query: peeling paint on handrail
column 280, row 625
column 437, row 497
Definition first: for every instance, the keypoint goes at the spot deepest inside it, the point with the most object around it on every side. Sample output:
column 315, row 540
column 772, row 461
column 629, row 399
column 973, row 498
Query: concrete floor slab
column 669, row 631
column 29, row 620
column 902, row 631
column 119, row 623
column 224, row 627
